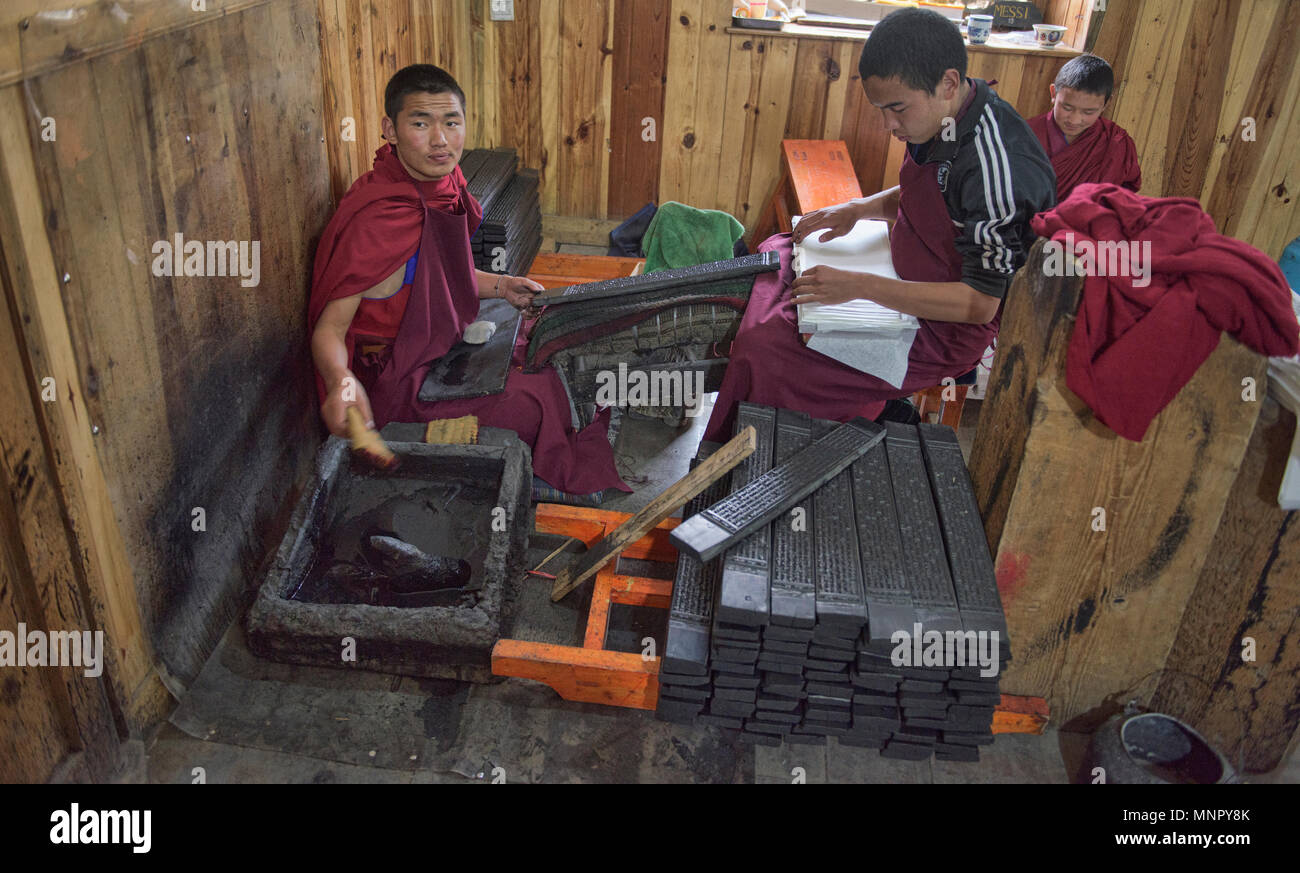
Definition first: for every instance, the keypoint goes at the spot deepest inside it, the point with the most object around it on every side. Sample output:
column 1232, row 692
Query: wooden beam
column 714, row 467
column 1234, row 671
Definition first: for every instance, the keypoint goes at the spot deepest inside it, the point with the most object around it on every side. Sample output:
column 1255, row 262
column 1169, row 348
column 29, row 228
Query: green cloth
column 683, row 236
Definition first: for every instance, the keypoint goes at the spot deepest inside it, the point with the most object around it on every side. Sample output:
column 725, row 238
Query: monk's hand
column 518, row 291
column 827, row 285
column 833, row 221
column 334, row 411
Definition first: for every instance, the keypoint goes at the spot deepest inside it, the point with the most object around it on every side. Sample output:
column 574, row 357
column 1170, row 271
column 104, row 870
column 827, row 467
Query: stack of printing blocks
column 510, row 234
column 790, row 634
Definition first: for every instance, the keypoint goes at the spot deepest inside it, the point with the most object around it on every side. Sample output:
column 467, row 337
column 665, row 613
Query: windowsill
column 997, row 44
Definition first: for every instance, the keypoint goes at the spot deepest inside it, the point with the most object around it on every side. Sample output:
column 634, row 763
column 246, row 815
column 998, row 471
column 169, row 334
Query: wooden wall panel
column 640, row 58
column 1187, row 76
column 582, row 79
column 199, row 387
column 695, row 101
column 45, row 713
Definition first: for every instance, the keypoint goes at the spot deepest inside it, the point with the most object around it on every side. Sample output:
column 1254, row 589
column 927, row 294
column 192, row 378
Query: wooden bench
column 815, row 173
column 555, row 270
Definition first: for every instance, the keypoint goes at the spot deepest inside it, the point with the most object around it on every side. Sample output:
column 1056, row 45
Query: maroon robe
column 1102, row 153
column 771, row 365
column 442, row 301
column 1133, row 348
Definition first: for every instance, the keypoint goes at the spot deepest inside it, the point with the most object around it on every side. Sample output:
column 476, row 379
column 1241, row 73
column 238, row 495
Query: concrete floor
column 250, row 720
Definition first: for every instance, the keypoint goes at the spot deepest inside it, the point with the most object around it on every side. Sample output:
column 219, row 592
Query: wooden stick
column 709, row 471
column 562, row 547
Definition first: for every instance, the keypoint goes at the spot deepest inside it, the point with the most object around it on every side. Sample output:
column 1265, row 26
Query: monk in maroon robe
column 394, row 287
column 972, row 177
column 1083, row 146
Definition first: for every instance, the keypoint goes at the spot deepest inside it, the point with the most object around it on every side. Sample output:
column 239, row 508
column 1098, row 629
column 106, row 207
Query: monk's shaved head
column 1089, row 74
column 417, row 79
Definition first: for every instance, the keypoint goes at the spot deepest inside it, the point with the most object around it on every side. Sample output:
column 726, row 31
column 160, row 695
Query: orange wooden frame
column 591, row 674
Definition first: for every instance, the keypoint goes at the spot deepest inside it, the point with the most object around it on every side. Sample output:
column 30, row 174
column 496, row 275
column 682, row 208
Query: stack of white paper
column 861, row 333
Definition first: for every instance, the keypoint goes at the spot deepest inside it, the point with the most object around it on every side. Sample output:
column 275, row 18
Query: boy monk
column 1083, row 146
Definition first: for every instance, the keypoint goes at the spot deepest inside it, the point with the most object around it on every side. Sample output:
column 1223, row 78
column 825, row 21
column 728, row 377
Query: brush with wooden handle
column 368, row 444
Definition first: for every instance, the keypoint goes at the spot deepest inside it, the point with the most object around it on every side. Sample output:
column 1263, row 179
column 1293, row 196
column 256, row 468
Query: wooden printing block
column 744, row 596
column 821, row 728
column 793, row 599
column 967, row 738
column 838, row 677
column 762, row 499
column 828, row 715
column 719, row 721
column 677, row 711
column 787, row 634
column 795, row 739
column 772, row 716
column 905, row 751
column 759, row 739
column 736, row 669
column 827, row 666
column 798, row 649
column 948, row 752
column 830, row 690
column 681, row 679
column 883, row 556
column 929, row 579
column 979, row 698
column 735, row 708
column 837, row 656
column 780, row 667
column 726, row 680
column 869, row 723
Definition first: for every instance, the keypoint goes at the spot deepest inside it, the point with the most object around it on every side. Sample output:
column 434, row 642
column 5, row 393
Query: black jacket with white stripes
column 994, row 176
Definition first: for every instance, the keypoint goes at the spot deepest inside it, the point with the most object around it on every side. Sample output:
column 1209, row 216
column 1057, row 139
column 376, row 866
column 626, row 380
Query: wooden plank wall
column 1189, row 75
column 570, row 84
column 197, row 388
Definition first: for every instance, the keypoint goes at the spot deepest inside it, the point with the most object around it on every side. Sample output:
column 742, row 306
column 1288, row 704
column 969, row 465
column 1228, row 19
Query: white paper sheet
column 861, row 333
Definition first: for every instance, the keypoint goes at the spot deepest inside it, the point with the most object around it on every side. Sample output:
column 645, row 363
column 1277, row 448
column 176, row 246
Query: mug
column 978, row 28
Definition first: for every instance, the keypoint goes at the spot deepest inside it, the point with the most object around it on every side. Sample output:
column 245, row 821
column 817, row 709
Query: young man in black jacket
column 973, row 176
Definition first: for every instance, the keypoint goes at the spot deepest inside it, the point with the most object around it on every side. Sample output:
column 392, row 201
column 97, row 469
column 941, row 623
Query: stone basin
column 469, row 501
